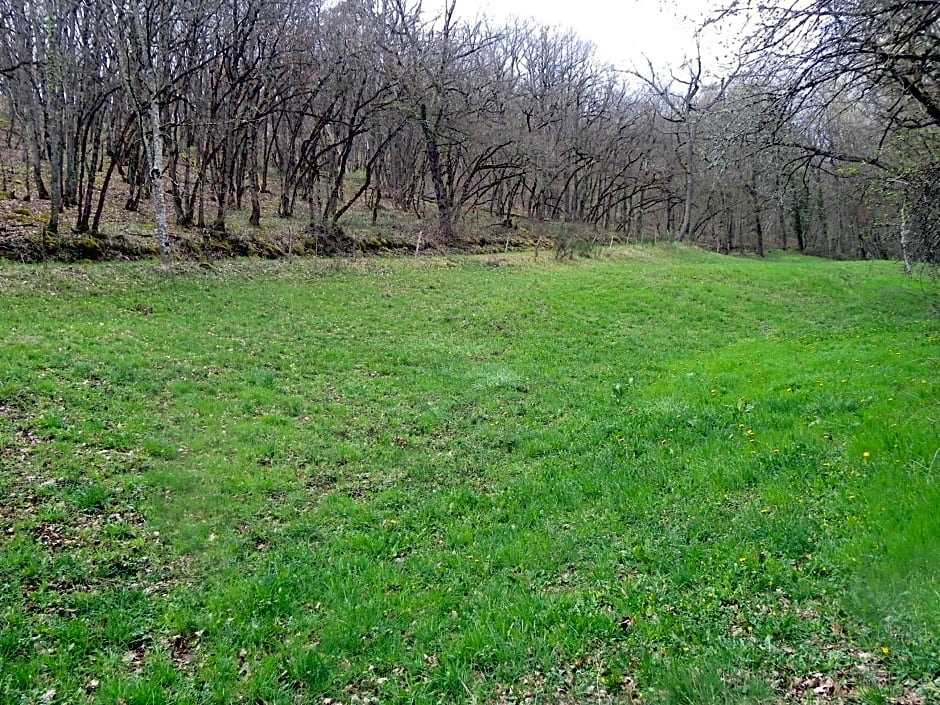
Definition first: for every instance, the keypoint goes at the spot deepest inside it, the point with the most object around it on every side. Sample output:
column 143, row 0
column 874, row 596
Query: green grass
column 658, row 476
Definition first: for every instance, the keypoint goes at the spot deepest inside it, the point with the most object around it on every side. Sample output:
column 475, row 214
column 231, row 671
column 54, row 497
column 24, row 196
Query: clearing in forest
column 654, row 476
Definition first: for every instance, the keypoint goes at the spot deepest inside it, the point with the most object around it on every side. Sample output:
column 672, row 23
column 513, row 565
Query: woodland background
column 195, row 127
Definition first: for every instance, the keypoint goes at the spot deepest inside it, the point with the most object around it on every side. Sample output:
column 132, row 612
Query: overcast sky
column 624, row 31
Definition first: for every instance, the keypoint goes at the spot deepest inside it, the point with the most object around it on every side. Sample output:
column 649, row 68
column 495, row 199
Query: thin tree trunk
column 444, row 211
column 686, row 226
column 377, row 199
column 102, row 192
column 55, row 181
column 253, row 187
column 221, row 190
column 905, row 237
column 156, row 184
column 86, row 196
column 42, row 193
column 73, row 146
column 759, row 231
column 28, row 196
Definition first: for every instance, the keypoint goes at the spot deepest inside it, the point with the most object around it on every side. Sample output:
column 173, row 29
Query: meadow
column 654, row 475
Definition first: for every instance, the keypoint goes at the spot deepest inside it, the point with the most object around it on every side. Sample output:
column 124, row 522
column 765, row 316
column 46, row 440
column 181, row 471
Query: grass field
column 653, row 476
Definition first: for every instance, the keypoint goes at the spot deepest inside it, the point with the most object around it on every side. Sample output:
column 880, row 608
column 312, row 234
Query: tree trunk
column 55, row 177
column 254, row 219
column 444, row 211
column 376, row 204
column 102, row 192
column 221, row 189
column 28, row 195
column 86, row 195
column 156, row 183
column 758, row 231
column 42, row 193
column 905, row 241
column 686, row 226
column 71, row 146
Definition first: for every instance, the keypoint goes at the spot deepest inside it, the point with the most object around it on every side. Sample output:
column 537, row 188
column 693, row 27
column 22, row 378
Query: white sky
column 624, row 31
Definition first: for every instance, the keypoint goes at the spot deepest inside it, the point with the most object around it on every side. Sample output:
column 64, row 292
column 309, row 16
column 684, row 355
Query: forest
column 331, row 121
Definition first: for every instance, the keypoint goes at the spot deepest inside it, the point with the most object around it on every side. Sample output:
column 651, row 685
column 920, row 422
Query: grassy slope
column 666, row 475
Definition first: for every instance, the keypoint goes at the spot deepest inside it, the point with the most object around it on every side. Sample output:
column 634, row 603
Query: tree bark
column 905, row 241
column 156, row 183
column 254, row 219
column 686, row 226
column 445, row 222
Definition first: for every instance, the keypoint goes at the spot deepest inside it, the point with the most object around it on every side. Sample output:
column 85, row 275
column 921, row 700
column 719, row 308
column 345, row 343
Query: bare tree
column 823, row 61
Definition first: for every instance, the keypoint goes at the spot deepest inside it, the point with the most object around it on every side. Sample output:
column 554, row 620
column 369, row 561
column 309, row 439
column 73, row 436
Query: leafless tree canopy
column 823, row 138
